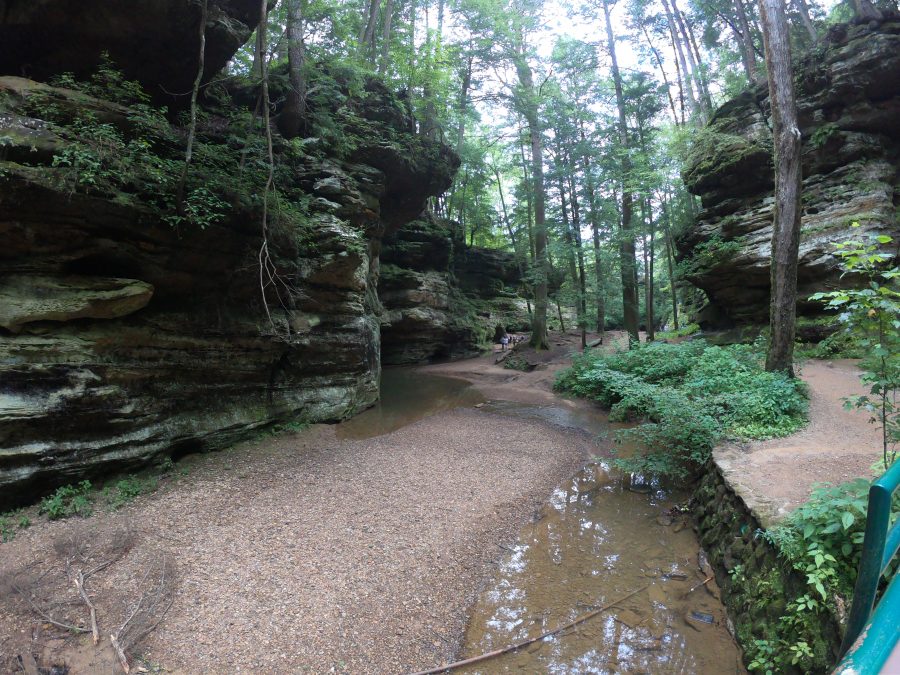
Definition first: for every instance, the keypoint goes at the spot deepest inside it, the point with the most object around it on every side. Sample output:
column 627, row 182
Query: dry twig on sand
column 143, row 615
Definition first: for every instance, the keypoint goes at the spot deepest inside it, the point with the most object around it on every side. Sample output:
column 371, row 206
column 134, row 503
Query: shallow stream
column 601, row 537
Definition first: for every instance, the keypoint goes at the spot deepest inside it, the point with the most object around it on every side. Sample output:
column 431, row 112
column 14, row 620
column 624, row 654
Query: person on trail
column 504, row 341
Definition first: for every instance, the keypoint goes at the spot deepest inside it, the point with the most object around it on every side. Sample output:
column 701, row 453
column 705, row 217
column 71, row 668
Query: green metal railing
column 872, row 636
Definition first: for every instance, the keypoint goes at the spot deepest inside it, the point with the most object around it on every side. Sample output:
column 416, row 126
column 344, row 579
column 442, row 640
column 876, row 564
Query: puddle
column 598, row 539
column 406, row 397
column 583, row 419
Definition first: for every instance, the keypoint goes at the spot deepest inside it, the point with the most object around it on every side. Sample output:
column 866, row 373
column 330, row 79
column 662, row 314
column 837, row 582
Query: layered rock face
column 152, row 41
column 441, row 301
column 848, row 98
column 126, row 335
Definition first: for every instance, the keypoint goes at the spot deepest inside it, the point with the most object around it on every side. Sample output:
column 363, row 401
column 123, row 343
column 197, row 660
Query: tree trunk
column 595, row 235
column 662, row 72
column 539, row 339
column 192, row 129
column 651, row 311
column 528, row 200
column 512, row 238
column 746, row 37
column 567, row 235
column 786, row 231
column 386, row 37
column 684, row 78
column 463, row 104
column 806, row 19
column 290, row 121
column 626, row 239
column 866, row 11
column 670, row 260
column 576, row 226
column 367, row 37
column 703, row 99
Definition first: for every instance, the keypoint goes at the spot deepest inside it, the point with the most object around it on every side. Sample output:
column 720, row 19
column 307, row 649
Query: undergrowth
column 681, row 332
column 687, row 398
column 821, row 541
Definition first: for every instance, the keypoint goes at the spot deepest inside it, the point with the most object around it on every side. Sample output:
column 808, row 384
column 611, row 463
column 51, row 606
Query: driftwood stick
column 695, row 587
column 525, row 643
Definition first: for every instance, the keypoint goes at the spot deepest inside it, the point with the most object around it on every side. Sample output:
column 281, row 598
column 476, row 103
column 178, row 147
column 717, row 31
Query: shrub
column 69, row 500
column 127, row 489
column 688, row 396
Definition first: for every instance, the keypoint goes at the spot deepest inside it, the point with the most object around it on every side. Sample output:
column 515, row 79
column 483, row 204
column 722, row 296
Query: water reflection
column 594, row 542
column 406, row 397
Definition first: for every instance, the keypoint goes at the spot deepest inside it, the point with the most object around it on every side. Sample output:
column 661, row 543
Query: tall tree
column 626, row 235
column 528, row 101
column 290, row 120
column 786, row 230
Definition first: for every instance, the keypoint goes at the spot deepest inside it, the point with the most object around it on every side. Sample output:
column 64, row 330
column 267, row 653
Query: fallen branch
column 120, row 653
column 525, row 643
column 694, row 588
column 78, row 580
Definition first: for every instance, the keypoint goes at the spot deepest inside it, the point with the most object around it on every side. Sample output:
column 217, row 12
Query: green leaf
column 847, row 519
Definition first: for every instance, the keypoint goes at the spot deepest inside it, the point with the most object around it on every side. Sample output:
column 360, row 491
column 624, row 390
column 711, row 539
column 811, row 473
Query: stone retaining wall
column 757, row 586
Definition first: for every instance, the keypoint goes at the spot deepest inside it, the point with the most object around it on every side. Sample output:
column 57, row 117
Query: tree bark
column 290, row 121
column 626, row 239
column 786, row 231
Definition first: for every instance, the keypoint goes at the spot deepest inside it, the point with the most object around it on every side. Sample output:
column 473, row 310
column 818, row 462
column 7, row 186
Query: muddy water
column 406, row 397
column 600, row 537
column 595, row 542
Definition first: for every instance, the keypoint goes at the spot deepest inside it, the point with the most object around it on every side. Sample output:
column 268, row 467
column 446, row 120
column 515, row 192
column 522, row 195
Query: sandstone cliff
column 443, row 299
column 848, row 92
column 130, row 329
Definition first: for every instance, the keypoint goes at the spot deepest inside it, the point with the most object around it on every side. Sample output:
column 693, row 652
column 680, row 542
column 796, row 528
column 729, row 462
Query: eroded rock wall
column 443, row 299
column 125, row 337
column 848, row 92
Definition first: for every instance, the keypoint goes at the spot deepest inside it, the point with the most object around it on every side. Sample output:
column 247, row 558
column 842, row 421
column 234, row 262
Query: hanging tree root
column 525, row 643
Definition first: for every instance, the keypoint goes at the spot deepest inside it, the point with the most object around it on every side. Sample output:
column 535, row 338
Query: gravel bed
column 305, row 553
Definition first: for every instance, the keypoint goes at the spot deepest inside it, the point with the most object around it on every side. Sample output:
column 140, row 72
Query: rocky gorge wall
column 442, row 298
column 848, row 99
column 132, row 330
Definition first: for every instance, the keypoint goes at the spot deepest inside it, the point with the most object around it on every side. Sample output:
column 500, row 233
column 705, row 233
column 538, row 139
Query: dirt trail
column 776, row 476
column 310, row 553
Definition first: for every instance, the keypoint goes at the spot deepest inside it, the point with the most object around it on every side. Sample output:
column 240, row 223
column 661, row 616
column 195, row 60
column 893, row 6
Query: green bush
column 69, row 500
column 125, row 490
column 683, row 331
column 10, row 522
column 688, row 396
